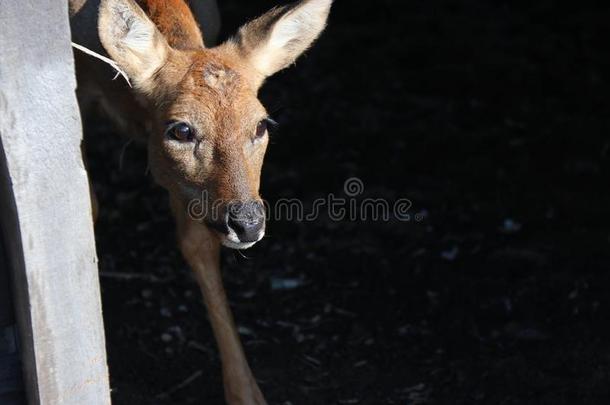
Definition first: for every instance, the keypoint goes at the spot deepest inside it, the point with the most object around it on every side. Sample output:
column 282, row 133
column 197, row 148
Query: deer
column 194, row 104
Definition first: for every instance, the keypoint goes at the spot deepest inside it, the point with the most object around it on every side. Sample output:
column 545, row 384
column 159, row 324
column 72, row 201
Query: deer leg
column 201, row 249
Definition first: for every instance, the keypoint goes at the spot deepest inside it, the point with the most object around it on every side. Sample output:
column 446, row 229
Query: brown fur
column 175, row 21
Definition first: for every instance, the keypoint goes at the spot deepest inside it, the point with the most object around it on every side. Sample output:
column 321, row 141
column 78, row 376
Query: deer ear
column 276, row 39
column 132, row 40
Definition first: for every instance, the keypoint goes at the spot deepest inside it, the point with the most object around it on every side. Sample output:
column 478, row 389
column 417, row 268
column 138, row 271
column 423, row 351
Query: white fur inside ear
column 137, row 33
column 291, row 35
column 132, row 40
column 303, row 22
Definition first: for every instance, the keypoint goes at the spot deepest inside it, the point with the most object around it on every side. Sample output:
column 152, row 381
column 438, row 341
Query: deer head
column 210, row 130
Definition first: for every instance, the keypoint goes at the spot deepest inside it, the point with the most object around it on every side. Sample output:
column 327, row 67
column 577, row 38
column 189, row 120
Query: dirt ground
column 492, row 118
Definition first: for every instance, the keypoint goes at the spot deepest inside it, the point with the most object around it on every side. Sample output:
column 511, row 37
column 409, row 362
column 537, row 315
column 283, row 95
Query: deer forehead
column 216, row 71
column 220, row 78
column 217, row 86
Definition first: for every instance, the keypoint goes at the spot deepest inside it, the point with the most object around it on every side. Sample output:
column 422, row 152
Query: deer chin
column 237, row 245
column 232, row 241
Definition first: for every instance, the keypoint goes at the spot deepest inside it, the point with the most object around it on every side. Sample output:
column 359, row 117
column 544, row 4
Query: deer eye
column 263, row 127
column 179, row 131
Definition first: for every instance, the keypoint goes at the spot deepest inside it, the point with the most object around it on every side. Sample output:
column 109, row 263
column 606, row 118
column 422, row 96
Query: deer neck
column 175, row 21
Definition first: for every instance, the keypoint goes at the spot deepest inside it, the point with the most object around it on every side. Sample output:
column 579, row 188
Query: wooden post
column 45, row 209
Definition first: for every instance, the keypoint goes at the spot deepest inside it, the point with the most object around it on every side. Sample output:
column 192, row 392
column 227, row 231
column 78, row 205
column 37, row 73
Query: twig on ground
column 150, row 278
column 183, row 384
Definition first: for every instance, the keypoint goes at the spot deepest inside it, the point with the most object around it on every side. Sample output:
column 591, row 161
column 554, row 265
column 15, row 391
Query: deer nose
column 246, row 220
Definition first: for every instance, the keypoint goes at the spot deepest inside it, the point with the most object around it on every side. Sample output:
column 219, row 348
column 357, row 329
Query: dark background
column 492, row 118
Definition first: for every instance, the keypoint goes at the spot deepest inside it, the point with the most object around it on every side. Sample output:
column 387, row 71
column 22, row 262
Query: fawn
column 204, row 127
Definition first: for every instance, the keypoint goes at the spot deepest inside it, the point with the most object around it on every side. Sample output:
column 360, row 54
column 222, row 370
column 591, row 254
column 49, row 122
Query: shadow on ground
column 492, row 118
